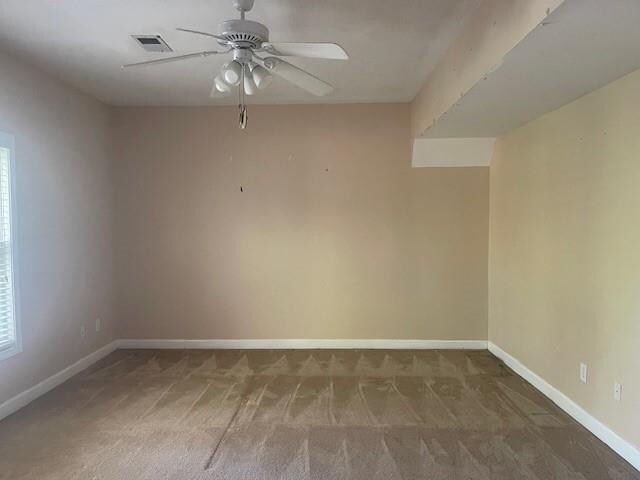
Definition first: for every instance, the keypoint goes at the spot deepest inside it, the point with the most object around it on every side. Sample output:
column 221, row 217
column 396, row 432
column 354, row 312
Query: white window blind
column 8, row 327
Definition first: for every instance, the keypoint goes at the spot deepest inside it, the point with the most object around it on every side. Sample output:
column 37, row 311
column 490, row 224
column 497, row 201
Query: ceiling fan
column 255, row 59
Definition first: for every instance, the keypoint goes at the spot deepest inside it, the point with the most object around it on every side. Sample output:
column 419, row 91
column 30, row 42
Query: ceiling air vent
column 152, row 43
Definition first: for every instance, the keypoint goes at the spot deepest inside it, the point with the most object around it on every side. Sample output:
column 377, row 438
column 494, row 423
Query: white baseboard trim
column 277, row 344
column 623, row 448
column 23, row 399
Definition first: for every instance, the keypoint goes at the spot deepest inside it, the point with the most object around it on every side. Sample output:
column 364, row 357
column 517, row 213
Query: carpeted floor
column 320, row 414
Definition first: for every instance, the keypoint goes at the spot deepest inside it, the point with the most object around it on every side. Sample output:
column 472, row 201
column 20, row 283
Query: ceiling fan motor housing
column 243, row 5
column 244, row 33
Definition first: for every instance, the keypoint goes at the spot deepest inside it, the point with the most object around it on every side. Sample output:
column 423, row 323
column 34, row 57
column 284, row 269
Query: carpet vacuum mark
column 300, row 414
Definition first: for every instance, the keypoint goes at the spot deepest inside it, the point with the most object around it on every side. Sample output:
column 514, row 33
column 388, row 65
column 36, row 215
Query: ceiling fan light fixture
column 261, row 76
column 247, row 41
column 221, row 85
column 250, row 87
column 231, row 72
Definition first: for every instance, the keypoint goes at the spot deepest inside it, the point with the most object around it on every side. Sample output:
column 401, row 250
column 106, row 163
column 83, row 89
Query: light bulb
column 261, row 77
column 249, row 85
column 221, row 85
column 231, row 72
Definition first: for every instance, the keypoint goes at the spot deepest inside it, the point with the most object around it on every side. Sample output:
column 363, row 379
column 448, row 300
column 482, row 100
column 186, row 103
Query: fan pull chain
column 241, row 106
column 243, row 117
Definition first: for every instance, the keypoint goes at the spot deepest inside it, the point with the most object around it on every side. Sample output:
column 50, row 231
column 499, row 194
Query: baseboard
column 623, row 448
column 23, row 399
column 307, row 344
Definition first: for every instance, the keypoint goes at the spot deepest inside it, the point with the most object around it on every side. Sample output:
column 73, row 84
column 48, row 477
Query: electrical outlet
column 617, row 391
column 583, row 372
column 83, row 331
column 98, row 324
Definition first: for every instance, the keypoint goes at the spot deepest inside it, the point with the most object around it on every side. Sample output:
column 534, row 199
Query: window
column 9, row 327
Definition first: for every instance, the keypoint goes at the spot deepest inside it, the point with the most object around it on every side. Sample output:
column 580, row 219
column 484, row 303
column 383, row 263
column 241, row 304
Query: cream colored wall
column 64, row 222
column 565, row 250
column 334, row 235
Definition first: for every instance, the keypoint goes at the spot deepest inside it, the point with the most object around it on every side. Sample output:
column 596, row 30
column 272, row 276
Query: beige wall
column 334, row 236
column 565, row 250
column 64, row 222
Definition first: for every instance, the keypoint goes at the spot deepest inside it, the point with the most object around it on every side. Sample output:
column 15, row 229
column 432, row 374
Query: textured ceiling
column 393, row 45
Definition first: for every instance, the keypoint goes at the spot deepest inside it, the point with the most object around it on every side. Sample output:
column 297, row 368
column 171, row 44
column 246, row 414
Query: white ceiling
column 580, row 47
column 393, row 45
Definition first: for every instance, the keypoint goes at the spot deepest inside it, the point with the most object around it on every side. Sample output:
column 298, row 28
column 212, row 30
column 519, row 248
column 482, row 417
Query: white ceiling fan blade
column 172, row 59
column 308, row 50
column 297, row 76
column 198, row 32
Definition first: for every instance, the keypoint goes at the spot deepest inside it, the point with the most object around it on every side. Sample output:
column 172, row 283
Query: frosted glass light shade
column 231, row 72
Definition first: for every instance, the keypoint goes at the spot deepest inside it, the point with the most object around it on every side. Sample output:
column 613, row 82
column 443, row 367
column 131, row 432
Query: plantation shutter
column 7, row 316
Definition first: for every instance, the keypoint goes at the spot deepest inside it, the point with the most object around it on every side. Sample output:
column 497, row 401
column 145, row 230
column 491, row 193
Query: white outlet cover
column 83, row 331
column 98, row 324
column 583, row 372
column 617, row 391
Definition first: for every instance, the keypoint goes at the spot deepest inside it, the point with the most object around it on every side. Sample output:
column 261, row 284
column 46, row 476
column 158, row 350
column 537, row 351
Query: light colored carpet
column 300, row 414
